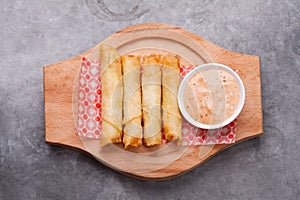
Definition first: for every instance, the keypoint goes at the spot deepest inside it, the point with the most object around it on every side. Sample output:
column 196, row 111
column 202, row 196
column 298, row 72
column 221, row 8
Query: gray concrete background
column 37, row 33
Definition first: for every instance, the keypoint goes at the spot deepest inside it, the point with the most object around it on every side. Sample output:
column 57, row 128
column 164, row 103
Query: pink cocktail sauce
column 211, row 96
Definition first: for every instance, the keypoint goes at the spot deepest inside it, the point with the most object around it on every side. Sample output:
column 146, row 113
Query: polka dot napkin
column 89, row 111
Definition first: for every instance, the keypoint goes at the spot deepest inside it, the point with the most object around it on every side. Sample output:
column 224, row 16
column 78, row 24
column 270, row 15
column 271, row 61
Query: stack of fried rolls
column 139, row 98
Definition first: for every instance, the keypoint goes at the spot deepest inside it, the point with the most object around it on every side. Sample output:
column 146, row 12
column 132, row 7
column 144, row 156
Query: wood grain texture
column 60, row 82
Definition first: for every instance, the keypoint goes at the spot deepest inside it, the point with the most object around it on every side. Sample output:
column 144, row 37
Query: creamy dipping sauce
column 211, row 96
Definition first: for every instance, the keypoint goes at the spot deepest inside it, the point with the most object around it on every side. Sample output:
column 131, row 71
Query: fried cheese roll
column 132, row 101
column 151, row 99
column 172, row 121
column 112, row 95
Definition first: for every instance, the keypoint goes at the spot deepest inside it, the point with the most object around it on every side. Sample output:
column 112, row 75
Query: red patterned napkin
column 89, row 99
column 89, row 111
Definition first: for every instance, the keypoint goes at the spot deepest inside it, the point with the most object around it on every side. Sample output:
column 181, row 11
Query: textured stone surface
column 37, row 33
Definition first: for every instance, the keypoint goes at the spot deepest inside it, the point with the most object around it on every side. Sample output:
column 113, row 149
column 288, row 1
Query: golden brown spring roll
column 170, row 82
column 151, row 99
column 112, row 95
column 132, row 101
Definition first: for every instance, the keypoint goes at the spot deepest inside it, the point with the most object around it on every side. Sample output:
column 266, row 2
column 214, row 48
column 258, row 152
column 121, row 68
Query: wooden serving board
column 164, row 161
